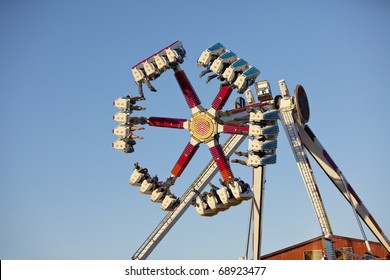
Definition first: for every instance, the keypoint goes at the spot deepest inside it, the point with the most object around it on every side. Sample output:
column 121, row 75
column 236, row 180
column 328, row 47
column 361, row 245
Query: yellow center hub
column 202, row 127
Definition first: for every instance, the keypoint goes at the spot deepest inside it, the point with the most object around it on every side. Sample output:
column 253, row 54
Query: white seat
column 122, row 103
column 203, row 208
column 147, row 186
column 122, row 117
column 158, row 195
column 238, row 192
column 246, row 79
column 124, row 146
column 169, row 203
column 122, row 131
column 150, row 69
column 222, row 62
column 227, row 197
column 138, row 75
column 207, row 55
column 161, row 62
column 136, row 178
column 230, row 73
column 215, row 202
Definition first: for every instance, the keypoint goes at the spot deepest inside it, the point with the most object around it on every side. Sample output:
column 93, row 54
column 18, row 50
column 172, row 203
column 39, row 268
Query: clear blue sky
column 64, row 191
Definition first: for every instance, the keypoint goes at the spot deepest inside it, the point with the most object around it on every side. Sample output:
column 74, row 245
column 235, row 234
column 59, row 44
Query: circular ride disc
column 302, row 104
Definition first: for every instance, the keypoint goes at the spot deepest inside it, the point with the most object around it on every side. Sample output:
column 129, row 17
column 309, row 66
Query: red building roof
column 347, row 248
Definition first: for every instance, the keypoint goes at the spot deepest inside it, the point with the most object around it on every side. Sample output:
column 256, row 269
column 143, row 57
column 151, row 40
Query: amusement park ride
column 252, row 119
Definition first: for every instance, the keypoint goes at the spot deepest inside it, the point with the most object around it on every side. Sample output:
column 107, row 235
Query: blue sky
column 64, row 191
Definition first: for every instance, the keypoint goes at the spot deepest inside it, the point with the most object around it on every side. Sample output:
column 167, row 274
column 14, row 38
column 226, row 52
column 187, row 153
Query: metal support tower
column 286, row 117
column 258, row 190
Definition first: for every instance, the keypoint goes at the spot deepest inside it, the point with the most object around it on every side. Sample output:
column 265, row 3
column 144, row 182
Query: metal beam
column 258, row 191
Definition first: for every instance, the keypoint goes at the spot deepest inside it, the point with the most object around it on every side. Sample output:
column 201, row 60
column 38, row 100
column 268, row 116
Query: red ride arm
column 189, row 93
column 184, row 159
column 221, row 98
column 166, row 122
column 222, row 163
column 235, row 129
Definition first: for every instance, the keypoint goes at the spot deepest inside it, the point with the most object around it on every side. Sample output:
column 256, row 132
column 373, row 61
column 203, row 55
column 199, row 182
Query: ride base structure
column 254, row 120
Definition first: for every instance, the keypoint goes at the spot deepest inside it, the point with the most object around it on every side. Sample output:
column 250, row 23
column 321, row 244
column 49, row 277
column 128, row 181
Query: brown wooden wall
column 296, row 252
